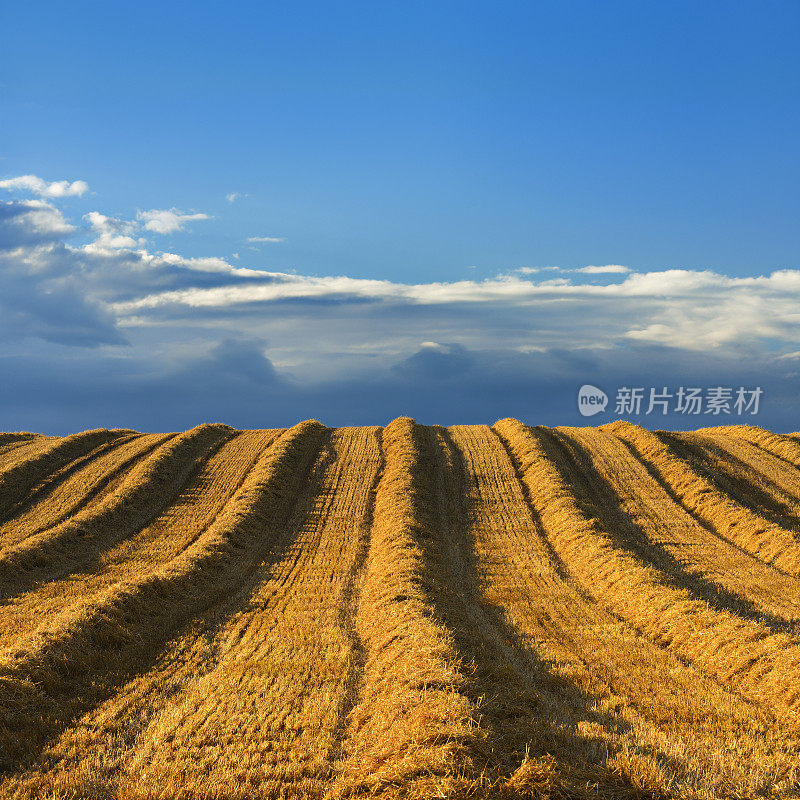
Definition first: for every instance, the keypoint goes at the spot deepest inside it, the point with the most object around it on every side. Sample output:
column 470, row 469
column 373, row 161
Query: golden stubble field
column 407, row 611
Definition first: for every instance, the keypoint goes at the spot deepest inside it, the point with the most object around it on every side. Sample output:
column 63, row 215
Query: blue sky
column 356, row 210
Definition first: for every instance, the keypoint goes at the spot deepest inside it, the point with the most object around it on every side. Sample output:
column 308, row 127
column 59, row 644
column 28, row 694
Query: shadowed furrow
column 736, row 478
column 18, row 479
column 149, row 488
column 100, row 754
column 768, row 477
column 536, row 731
column 13, row 441
column 36, row 496
column 38, row 686
column 85, row 487
column 410, row 733
column 17, row 450
column 702, row 496
column 15, row 438
column 645, row 520
column 185, row 517
column 764, row 667
column 264, row 721
column 785, row 448
column 623, row 698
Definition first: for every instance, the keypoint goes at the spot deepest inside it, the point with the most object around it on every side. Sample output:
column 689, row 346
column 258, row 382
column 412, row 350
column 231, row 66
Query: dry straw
column 408, row 612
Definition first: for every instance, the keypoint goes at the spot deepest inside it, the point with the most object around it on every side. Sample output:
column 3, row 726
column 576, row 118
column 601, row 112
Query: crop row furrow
column 149, row 488
column 13, row 444
column 644, row 519
column 284, row 658
column 86, row 652
column 774, row 476
column 762, row 666
column 87, row 487
column 619, row 695
column 46, row 457
column 715, row 508
column 785, row 448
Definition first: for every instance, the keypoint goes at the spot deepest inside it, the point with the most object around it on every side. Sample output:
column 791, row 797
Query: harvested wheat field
column 400, row 612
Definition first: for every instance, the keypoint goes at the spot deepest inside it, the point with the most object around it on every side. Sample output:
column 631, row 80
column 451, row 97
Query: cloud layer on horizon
column 131, row 319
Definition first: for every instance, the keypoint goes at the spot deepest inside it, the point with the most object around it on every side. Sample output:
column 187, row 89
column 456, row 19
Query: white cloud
column 232, row 197
column 532, row 270
column 166, row 220
column 608, row 269
column 31, row 223
column 112, row 233
column 282, row 285
column 44, row 292
column 46, row 220
column 266, row 239
column 202, row 264
column 43, row 188
column 686, row 309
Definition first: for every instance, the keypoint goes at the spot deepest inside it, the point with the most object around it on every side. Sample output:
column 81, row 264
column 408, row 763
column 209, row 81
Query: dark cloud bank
column 238, row 385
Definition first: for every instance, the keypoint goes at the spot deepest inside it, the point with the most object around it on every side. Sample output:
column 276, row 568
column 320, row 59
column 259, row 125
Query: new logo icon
column 591, row 400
